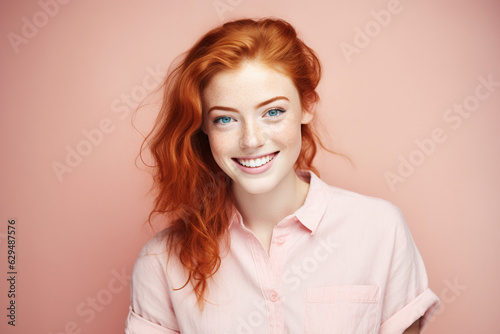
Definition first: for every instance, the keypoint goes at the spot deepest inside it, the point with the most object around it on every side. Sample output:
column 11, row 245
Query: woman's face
column 253, row 118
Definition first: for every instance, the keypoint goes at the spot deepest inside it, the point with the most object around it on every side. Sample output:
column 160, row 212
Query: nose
column 252, row 135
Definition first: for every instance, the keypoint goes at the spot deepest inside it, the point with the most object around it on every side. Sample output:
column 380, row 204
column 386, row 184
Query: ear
column 307, row 116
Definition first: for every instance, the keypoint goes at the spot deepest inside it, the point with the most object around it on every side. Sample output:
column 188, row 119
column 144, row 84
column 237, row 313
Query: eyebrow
column 256, row 107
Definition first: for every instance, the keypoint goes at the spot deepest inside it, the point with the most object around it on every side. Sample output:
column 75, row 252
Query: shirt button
column 274, row 296
column 281, row 240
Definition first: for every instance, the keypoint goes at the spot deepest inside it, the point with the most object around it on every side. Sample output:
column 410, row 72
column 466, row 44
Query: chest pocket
column 342, row 309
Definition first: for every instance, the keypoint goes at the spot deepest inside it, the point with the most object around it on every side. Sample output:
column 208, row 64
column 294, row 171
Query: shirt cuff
column 424, row 305
column 135, row 324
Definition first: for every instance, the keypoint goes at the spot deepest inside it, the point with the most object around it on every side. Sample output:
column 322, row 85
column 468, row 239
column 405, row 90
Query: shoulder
column 156, row 245
column 151, row 290
column 152, row 258
column 351, row 200
column 364, row 207
column 342, row 208
column 347, row 200
column 370, row 223
column 364, row 215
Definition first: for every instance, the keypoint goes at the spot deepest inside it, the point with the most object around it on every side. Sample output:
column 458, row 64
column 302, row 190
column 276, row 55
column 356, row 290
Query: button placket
column 274, row 296
column 281, row 240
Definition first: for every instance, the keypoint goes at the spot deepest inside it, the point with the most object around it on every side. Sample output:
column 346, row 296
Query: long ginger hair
column 190, row 186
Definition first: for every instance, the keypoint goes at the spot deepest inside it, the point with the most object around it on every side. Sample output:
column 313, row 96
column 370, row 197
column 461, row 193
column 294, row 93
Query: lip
column 256, row 170
column 255, row 156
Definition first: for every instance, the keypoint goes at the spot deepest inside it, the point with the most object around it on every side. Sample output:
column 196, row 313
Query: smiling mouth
column 259, row 162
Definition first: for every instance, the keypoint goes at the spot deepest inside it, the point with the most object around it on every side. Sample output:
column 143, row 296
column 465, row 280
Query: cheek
column 219, row 144
column 290, row 135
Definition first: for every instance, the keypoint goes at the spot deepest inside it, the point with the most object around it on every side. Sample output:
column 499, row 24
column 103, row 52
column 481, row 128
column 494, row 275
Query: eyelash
column 218, row 119
column 280, row 112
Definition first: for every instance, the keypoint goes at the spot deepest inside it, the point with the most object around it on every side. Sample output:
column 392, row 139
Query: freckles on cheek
column 290, row 134
column 218, row 143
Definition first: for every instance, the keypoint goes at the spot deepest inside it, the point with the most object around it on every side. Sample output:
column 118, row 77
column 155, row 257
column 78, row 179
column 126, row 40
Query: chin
column 256, row 185
column 256, row 188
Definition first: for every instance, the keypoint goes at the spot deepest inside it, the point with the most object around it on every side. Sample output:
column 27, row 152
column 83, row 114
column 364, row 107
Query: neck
column 264, row 211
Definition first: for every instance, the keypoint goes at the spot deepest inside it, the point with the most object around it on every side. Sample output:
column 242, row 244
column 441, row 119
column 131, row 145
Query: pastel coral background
column 88, row 64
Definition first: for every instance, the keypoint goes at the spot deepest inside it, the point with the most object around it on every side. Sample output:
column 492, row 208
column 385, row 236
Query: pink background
column 77, row 232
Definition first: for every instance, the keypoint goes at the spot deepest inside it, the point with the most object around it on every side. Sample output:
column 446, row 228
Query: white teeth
column 256, row 162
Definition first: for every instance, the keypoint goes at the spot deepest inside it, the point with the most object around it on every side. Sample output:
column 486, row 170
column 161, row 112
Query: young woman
column 255, row 241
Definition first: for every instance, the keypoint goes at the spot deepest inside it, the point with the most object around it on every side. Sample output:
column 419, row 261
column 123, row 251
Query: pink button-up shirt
column 342, row 263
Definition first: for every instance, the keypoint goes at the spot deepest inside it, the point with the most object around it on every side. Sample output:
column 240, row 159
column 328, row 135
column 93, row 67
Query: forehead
column 252, row 82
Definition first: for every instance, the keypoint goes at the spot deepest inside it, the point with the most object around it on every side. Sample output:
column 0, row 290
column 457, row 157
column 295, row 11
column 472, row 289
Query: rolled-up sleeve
column 135, row 324
column 150, row 310
column 407, row 295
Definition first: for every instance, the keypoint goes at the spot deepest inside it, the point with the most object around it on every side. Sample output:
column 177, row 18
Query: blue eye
column 222, row 119
column 275, row 112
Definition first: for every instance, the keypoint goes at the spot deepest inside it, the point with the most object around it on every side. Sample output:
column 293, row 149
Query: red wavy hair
column 190, row 186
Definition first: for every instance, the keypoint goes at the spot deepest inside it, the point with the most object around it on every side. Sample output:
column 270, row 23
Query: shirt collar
column 314, row 207
column 317, row 199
